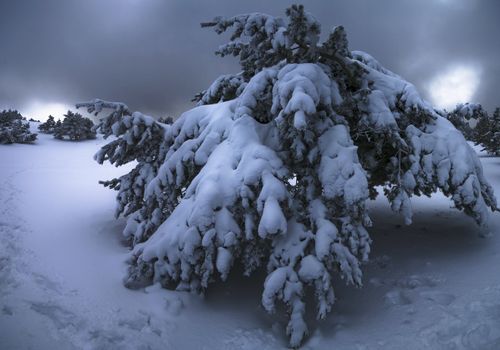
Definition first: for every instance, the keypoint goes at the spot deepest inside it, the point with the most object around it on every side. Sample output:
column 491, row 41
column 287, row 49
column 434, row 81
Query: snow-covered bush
column 74, row 127
column 274, row 168
column 14, row 128
column 48, row 126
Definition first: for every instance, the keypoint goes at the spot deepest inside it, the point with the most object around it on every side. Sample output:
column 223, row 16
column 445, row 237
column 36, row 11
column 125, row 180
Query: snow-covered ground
column 432, row 285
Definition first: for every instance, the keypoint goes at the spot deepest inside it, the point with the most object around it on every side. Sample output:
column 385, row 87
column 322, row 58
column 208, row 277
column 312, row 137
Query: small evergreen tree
column 74, row 127
column 14, row 129
column 274, row 168
column 49, row 126
column 9, row 116
column 462, row 116
column 487, row 132
column 494, row 146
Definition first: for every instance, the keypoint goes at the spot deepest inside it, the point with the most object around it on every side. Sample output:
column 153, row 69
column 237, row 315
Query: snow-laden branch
column 97, row 105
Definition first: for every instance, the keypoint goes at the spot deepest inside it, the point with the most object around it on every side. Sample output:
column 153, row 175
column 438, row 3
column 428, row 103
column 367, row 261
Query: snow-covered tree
column 49, row 126
column 14, row 128
column 138, row 138
column 462, row 116
column 494, row 146
column 274, row 168
column 487, row 132
column 9, row 116
column 166, row 120
column 74, row 127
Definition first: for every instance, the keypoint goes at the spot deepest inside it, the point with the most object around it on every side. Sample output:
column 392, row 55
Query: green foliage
column 14, row 128
column 74, row 127
column 463, row 114
column 49, row 126
column 261, row 41
column 487, row 132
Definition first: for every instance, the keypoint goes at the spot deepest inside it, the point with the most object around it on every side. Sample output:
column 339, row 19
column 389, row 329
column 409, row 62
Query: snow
column 434, row 284
column 273, row 221
column 210, row 193
column 390, row 83
column 340, row 172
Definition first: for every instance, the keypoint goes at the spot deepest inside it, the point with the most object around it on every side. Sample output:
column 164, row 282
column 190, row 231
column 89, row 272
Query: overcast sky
column 153, row 55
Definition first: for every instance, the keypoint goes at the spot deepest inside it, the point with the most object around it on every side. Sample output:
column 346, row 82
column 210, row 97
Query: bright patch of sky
column 41, row 110
column 457, row 84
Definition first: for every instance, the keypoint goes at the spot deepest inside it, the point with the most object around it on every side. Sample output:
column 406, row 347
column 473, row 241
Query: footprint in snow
column 174, row 305
column 475, row 325
column 248, row 339
column 417, row 281
column 438, row 297
column 46, row 283
column 61, row 317
column 396, row 297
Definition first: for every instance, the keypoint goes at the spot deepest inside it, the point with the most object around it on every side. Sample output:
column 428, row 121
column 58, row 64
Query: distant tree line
column 14, row 128
column 73, row 127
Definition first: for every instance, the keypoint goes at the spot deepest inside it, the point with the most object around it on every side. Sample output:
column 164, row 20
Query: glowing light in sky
column 458, row 84
column 41, row 110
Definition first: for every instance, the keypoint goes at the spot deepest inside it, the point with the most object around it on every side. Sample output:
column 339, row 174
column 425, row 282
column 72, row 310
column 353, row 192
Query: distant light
column 457, row 4
column 456, row 85
column 41, row 110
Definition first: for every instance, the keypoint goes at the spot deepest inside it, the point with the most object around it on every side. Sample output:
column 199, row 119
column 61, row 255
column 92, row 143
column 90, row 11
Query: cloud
column 40, row 110
column 153, row 55
column 457, row 84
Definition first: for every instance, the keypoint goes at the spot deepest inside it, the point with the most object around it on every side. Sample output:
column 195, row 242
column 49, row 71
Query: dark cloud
column 153, row 55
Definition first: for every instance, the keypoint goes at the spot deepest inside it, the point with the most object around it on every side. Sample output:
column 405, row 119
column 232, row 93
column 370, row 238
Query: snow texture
column 432, row 285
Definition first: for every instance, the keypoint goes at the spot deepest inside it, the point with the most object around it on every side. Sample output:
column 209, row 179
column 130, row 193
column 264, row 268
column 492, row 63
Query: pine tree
column 463, row 114
column 491, row 138
column 274, row 168
column 138, row 138
column 49, row 126
column 74, row 127
column 7, row 117
column 495, row 146
column 487, row 132
column 482, row 130
column 14, row 128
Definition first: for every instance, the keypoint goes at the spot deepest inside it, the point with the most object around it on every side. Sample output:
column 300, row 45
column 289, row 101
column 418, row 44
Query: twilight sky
column 153, row 55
